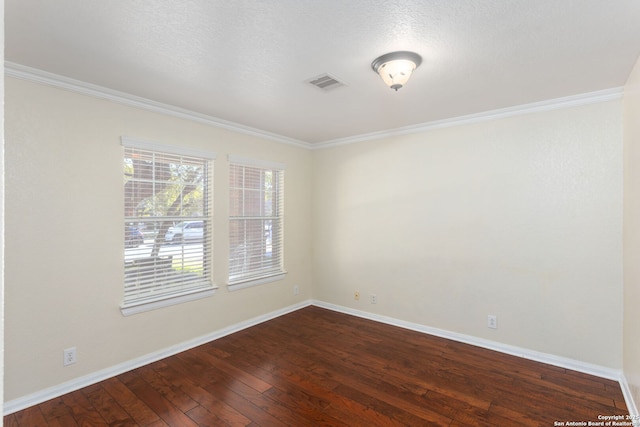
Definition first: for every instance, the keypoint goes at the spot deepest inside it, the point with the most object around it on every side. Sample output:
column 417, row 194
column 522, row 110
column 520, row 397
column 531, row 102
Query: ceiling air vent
column 325, row 82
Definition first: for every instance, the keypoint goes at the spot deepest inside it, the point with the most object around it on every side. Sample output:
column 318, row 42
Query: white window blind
column 256, row 191
column 168, row 227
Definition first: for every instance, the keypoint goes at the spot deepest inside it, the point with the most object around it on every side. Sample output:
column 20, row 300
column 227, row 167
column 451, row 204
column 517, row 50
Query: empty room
column 305, row 213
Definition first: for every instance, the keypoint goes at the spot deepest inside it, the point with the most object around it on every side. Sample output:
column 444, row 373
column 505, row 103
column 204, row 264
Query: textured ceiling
column 248, row 61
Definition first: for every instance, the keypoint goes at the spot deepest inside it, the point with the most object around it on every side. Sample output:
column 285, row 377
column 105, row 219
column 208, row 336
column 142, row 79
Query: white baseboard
column 563, row 362
column 24, row 402
column 78, row 383
column 628, row 398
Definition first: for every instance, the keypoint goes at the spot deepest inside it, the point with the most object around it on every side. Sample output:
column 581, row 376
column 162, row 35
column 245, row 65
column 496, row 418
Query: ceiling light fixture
column 395, row 68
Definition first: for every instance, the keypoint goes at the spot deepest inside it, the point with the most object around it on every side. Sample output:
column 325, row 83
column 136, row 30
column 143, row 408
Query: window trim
column 195, row 293
column 258, row 163
column 280, row 274
column 255, row 281
column 135, row 308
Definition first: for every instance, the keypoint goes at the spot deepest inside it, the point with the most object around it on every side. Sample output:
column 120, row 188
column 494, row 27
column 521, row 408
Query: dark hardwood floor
column 316, row 367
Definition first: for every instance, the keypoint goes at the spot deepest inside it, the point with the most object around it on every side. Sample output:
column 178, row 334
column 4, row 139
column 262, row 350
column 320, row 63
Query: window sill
column 247, row 283
column 141, row 307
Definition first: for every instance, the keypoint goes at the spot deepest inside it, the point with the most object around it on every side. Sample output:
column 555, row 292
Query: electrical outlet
column 492, row 321
column 69, row 356
column 374, row 299
column 296, row 290
column 356, row 295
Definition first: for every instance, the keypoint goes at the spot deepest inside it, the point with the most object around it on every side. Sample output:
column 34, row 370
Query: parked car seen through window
column 183, row 231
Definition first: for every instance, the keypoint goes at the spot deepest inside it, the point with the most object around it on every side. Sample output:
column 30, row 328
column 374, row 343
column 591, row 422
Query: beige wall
column 631, row 337
column 518, row 217
column 64, row 216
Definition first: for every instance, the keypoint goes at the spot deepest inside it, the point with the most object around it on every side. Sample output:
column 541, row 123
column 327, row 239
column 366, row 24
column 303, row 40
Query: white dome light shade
column 395, row 68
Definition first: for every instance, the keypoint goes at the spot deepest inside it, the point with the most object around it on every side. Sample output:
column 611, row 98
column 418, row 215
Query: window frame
column 258, row 276
column 191, row 289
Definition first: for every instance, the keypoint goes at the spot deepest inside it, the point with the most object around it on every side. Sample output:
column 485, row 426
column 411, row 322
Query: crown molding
column 43, row 77
column 535, row 107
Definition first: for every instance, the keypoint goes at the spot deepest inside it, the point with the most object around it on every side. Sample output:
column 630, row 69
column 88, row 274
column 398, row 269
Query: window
column 168, row 227
column 256, row 207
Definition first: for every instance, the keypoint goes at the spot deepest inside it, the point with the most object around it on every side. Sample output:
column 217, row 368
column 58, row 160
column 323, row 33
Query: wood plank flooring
column 316, row 367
